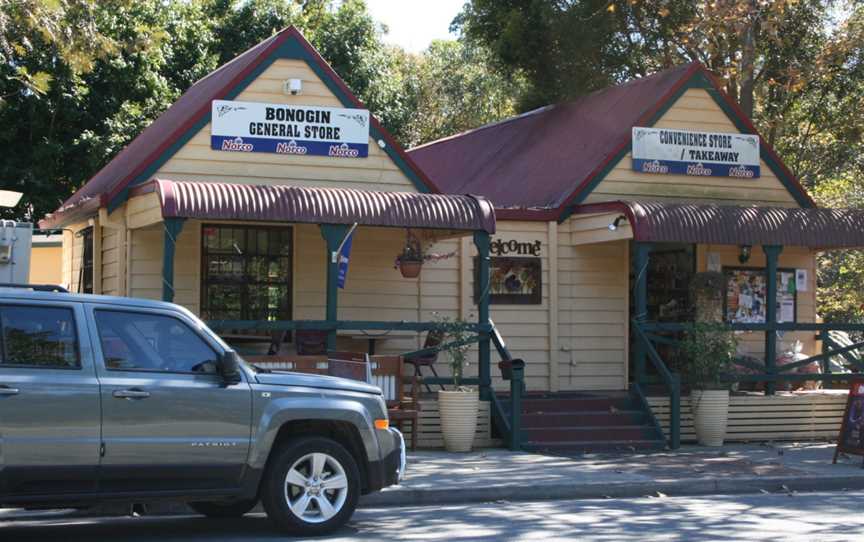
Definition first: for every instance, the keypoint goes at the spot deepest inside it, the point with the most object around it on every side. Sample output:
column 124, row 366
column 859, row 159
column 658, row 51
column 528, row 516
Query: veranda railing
column 647, row 335
column 507, row 426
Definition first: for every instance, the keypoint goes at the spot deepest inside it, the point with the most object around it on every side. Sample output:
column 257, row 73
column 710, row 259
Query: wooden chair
column 402, row 404
column 310, row 342
column 434, row 338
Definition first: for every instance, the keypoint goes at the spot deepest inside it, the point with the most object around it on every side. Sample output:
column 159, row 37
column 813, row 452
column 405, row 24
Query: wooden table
column 372, row 337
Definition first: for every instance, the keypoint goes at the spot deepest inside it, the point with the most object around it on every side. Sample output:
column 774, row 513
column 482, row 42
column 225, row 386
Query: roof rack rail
column 36, row 287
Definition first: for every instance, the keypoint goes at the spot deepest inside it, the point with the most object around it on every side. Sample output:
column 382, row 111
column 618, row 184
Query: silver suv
column 117, row 399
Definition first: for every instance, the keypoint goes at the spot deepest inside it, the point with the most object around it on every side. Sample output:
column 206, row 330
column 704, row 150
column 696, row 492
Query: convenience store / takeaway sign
column 684, row 152
column 289, row 129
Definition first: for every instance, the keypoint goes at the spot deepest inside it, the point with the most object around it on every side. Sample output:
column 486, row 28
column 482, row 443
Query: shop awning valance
column 280, row 203
column 738, row 225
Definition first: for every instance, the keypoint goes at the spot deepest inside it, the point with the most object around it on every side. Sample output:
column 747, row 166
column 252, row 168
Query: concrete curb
column 401, row 496
column 692, row 486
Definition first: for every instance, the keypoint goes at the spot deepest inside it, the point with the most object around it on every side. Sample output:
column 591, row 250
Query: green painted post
column 517, row 386
column 675, row 413
column 640, row 304
column 173, row 227
column 481, row 241
column 771, row 254
column 333, row 235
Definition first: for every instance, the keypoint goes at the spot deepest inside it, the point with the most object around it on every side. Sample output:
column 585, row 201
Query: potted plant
column 710, row 349
column 410, row 261
column 458, row 407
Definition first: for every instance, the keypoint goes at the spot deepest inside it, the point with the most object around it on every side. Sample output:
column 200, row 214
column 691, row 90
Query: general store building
column 213, row 208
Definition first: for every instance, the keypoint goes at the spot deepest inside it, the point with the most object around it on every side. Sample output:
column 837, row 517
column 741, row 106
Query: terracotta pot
column 458, row 411
column 410, row 269
column 710, row 415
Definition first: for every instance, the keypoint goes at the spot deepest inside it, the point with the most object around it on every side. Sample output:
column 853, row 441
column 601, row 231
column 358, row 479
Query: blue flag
column 344, row 256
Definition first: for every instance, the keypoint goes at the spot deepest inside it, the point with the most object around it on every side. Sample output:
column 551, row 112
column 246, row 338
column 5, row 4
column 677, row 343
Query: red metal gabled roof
column 230, row 201
column 655, row 221
column 193, row 106
column 545, row 159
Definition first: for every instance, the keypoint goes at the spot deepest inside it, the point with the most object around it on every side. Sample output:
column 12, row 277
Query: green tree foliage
column 455, row 89
column 79, row 79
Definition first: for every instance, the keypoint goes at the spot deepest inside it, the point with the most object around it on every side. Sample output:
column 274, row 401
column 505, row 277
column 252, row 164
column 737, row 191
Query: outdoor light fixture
column 614, row 225
column 744, row 255
column 8, row 198
column 294, row 86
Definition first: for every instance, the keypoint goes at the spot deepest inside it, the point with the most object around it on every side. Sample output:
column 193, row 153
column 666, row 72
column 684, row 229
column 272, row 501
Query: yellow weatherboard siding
column 197, row 161
column 694, row 110
column 593, row 329
column 46, row 264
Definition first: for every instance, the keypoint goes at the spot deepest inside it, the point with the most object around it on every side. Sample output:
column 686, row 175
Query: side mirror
column 229, row 367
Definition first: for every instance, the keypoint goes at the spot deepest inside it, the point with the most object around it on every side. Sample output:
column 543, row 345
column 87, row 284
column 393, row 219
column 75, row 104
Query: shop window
column 747, row 291
column 670, row 272
column 246, row 272
column 43, row 337
column 85, row 273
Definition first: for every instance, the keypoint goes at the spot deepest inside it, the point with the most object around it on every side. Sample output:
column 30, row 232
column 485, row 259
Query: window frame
column 191, row 328
column 289, row 283
column 79, row 360
column 88, row 260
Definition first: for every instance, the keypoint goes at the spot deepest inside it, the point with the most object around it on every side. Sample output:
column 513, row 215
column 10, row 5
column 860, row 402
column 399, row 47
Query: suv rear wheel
column 228, row 509
column 311, row 486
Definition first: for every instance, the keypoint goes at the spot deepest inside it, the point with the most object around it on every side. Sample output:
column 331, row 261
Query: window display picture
column 747, row 290
column 512, row 281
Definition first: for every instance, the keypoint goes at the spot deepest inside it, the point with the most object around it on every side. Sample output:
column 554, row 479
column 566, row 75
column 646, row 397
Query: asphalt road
column 799, row 517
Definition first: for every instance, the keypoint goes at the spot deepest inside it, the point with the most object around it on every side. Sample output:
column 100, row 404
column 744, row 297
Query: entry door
column 49, row 401
column 168, row 422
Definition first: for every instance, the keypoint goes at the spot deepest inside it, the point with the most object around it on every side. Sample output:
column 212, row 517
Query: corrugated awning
column 738, row 225
column 229, row 201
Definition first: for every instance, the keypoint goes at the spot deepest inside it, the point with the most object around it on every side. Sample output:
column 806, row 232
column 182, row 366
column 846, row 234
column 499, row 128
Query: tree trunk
column 748, row 61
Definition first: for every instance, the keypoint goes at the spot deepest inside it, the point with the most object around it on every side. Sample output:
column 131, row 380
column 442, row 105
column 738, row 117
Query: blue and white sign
column 344, row 258
column 684, row 152
column 289, row 129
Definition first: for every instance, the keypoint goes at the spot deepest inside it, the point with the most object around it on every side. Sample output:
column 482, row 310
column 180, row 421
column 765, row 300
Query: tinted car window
column 39, row 337
column 152, row 342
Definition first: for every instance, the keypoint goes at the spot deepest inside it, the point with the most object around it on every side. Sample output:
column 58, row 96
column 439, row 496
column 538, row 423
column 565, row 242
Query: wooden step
column 589, row 433
column 594, row 446
column 594, row 404
column 585, row 418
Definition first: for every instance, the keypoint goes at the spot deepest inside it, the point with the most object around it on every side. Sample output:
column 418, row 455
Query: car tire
column 227, row 509
column 311, row 486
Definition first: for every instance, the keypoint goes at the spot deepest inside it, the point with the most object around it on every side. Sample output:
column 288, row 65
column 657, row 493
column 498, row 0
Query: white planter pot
column 458, row 419
column 710, row 415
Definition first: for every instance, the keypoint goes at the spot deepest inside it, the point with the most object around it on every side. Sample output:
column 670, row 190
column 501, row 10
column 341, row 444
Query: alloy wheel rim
column 316, row 487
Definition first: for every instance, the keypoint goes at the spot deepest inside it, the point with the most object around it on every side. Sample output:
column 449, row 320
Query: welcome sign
column 289, row 129
column 682, row 152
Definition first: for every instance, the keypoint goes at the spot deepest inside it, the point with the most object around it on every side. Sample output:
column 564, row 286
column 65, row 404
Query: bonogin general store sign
column 289, row 129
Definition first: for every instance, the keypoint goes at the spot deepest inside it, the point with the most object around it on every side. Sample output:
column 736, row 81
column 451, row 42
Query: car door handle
column 6, row 390
column 131, row 394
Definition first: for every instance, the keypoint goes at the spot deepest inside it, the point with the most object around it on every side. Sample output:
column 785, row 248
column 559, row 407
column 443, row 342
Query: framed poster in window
column 747, row 290
column 512, row 281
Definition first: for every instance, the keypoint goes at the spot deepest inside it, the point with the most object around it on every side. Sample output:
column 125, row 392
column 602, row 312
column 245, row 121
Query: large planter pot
column 458, row 411
column 710, row 415
column 410, row 269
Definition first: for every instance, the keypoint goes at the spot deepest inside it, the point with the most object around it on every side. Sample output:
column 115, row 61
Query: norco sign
column 710, row 154
column 289, row 129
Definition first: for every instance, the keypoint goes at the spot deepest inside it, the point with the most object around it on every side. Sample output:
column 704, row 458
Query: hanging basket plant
column 410, row 261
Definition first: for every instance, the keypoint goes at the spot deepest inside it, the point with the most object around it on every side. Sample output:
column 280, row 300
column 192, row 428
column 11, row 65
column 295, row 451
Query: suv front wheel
column 311, row 487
